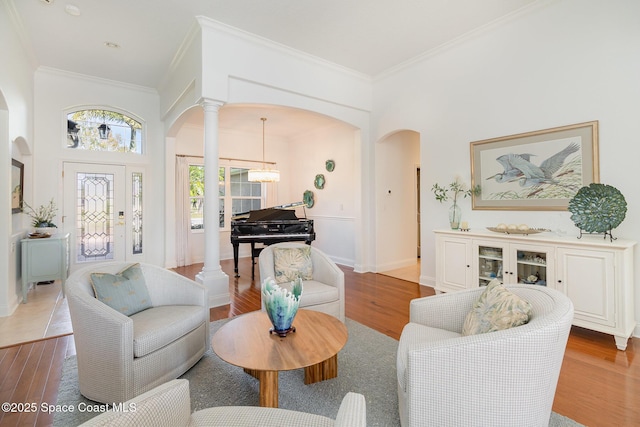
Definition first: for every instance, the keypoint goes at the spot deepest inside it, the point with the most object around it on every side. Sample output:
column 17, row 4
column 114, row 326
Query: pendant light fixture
column 104, row 130
column 264, row 174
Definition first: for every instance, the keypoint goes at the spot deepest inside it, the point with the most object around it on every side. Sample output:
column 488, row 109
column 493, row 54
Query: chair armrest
column 443, row 311
column 352, row 412
column 168, row 405
column 326, row 271
column 167, row 287
column 98, row 328
column 104, row 345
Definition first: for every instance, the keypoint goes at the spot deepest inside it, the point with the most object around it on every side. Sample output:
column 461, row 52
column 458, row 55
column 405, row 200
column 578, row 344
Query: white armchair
column 502, row 378
column 120, row 356
column 324, row 292
column 169, row 405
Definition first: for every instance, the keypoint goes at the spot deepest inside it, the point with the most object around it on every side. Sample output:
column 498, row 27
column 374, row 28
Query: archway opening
column 398, row 205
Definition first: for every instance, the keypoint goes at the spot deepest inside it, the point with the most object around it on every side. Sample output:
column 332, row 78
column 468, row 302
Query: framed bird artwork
column 540, row 170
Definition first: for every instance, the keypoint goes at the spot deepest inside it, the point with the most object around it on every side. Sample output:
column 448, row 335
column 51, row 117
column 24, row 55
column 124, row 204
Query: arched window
column 104, row 130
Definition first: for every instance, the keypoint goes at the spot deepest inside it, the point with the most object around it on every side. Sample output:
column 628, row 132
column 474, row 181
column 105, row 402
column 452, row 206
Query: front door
column 94, row 212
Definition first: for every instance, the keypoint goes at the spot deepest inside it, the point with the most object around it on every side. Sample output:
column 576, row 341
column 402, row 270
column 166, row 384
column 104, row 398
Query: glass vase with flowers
column 452, row 192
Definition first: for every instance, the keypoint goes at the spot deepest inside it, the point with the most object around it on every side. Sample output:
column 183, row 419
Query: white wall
column 563, row 62
column 16, row 113
column 397, row 160
column 57, row 91
column 334, row 211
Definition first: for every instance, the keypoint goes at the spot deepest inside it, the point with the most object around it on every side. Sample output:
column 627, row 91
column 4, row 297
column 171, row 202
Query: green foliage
column 196, row 180
column 43, row 215
column 453, row 190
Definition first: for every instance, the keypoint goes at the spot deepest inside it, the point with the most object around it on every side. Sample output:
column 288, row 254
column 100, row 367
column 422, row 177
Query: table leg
column 269, row 389
column 268, row 386
column 321, row 371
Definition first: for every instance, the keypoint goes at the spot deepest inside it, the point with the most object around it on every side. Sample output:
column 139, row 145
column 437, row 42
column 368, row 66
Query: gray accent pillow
column 125, row 291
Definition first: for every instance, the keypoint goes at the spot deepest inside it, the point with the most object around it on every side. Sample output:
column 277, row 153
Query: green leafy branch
column 453, row 190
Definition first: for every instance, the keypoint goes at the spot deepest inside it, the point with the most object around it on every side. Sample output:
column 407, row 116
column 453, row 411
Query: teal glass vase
column 281, row 305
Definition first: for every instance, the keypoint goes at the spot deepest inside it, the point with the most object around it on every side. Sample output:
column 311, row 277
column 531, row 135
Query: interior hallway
column 410, row 273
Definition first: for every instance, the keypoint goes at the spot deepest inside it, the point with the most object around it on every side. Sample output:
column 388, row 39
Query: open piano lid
column 276, row 213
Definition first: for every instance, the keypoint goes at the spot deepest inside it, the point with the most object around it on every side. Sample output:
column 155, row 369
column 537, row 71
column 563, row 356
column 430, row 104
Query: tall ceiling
column 366, row 36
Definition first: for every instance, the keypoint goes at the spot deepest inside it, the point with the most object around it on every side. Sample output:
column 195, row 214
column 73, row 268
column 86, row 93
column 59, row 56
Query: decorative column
column 212, row 276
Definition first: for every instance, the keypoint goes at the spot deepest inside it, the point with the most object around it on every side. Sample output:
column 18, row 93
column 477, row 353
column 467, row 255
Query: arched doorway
column 299, row 142
column 398, row 204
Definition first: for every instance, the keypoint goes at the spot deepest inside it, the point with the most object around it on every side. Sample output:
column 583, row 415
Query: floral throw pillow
column 496, row 309
column 292, row 263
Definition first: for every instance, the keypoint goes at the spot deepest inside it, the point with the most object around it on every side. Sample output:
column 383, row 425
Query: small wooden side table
column 246, row 342
column 44, row 259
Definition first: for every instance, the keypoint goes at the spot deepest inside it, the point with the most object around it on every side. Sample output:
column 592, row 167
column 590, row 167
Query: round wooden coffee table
column 246, row 342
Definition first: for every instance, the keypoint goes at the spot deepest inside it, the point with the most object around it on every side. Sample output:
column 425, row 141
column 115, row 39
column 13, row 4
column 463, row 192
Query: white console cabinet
column 595, row 273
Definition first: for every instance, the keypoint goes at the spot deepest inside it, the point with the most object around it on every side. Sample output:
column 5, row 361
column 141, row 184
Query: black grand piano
column 269, row 226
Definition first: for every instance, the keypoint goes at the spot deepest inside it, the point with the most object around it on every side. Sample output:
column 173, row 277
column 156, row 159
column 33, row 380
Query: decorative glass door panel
column 532, row 267
column 490, row 264
column 95, row 218
column 95, row 212
column 136, row 212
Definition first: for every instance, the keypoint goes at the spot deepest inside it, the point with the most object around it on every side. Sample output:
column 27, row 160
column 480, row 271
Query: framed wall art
column 539, row 170
column 17, row 186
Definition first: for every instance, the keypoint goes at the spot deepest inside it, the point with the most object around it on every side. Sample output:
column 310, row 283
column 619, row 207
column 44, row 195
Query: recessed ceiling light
column 112, row 45
column 72, row 9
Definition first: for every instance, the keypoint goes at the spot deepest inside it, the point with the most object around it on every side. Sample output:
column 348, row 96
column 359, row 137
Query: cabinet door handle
column 559, row 281
column 468, row 265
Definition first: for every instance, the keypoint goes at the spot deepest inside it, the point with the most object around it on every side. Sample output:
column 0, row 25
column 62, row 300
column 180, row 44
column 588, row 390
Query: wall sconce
column 72, row 133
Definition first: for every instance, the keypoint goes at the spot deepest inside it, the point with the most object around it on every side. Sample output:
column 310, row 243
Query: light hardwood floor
column 410, row 273
column 44, row 315
column 598, row 385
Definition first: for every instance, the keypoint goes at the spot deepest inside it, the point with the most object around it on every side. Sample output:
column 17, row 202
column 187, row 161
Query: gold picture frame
column 17, row 186
column 540, row 170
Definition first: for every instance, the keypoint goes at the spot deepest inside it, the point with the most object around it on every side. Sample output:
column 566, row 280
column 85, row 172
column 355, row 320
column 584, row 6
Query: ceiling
column 367, row 36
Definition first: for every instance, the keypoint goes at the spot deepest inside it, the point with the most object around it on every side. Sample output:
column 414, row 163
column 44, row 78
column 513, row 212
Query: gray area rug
column 365, row 365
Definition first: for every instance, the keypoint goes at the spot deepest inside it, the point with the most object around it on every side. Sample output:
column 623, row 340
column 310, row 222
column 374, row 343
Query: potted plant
column 451, row 192
column 42, row 217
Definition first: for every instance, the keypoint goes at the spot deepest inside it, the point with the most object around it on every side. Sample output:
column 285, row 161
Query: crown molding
column 206, row 22
column 22, row 33
column 470, row 35
column 94, row 79
column 187, row 41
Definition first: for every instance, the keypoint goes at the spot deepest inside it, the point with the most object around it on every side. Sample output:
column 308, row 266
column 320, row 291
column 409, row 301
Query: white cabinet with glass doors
column 512, row 263
column 595, row 273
